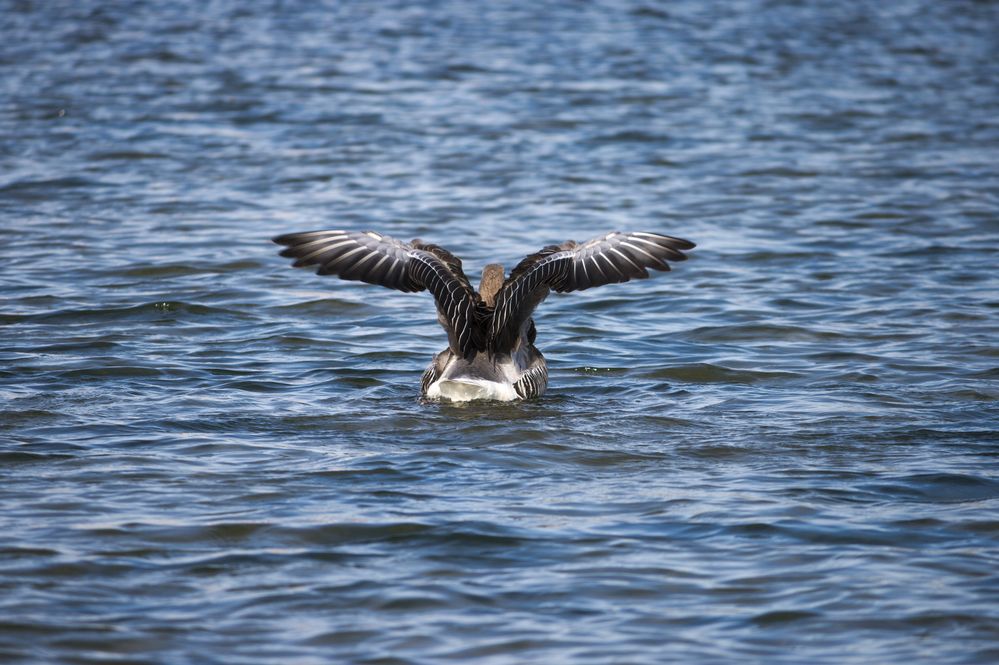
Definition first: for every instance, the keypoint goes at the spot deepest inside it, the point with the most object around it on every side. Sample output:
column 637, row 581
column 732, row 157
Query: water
column 784, row 451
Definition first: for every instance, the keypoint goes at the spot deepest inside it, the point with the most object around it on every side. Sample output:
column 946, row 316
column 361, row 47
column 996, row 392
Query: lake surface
column 784, row 451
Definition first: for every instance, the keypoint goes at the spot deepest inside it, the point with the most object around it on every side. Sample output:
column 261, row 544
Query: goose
column 490, row 353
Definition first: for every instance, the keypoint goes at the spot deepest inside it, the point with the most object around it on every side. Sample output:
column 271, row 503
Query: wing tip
column 670, row 241
column 304, row 236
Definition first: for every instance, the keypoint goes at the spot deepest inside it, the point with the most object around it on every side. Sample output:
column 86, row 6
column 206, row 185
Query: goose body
column 491, row 333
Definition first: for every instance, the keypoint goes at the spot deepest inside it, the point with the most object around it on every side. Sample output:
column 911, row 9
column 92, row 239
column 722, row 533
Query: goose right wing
column 612, row 258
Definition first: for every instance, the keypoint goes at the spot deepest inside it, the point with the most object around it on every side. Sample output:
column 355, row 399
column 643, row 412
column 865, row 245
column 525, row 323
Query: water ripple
column 782, row 451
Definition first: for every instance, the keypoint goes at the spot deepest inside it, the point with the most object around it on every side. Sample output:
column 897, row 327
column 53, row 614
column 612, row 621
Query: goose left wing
column 608, row 259
column 380, row 259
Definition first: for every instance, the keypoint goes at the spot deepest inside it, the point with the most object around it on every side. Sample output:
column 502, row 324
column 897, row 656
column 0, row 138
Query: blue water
column 784, row 451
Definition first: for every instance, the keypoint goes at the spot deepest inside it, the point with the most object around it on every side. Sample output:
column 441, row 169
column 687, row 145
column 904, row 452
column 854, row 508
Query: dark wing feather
column 612, row 258
column 378, row 259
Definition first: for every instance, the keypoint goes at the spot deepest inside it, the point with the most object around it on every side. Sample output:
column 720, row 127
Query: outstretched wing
column 379, row 259
column 608, row 259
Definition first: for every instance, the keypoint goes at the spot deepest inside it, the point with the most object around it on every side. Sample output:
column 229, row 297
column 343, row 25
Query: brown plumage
column 490, row 331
